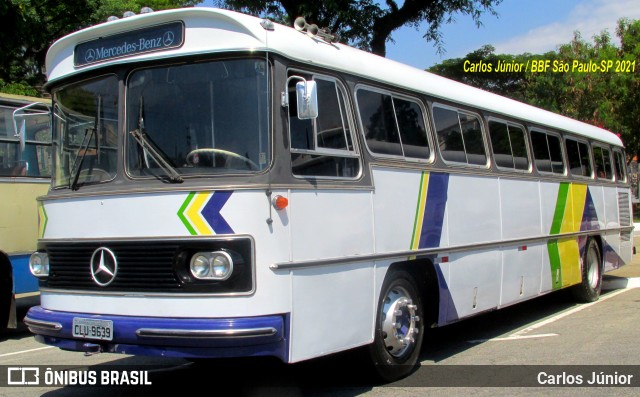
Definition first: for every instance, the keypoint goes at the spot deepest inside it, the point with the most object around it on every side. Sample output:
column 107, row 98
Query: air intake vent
column 624, row 208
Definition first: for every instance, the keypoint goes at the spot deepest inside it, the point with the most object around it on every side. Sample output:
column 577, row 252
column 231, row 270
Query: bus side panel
column 333, row 309
column 474, row 283
column 521, row 264
column 19, row 215
column 330, row 224
column 473, row 210
column 395, row 207
column 332, row 306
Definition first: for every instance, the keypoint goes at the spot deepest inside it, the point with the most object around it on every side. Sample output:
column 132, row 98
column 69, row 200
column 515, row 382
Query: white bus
column 226, row 186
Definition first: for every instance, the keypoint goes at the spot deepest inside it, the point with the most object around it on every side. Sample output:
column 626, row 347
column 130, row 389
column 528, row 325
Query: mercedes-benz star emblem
column 104, row 266
column 90, row 55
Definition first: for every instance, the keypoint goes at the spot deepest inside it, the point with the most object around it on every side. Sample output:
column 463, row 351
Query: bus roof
column 210, row 30
column 21, row 99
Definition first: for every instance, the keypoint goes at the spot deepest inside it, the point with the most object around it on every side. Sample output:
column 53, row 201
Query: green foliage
column 367, row 24
column 31, row 26
column 606, row 98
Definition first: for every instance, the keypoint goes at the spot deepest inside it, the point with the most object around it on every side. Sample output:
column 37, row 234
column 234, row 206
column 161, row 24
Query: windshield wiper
column 152, row 149
column 82, row 150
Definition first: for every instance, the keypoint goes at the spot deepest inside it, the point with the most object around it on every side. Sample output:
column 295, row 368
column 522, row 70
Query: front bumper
column 168, row 337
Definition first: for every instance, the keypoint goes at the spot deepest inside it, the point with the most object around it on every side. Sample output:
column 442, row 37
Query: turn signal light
column 280, row 202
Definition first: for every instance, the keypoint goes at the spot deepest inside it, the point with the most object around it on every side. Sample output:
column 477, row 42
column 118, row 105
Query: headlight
column 39, row 264
column 216, row 265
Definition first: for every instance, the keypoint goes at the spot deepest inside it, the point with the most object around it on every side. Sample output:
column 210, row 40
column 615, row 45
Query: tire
column 591, row 269
column 399, row 327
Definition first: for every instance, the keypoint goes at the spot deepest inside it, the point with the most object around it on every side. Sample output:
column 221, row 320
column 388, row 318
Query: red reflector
column 280, row 202
column 522, row 248
column 444, row 259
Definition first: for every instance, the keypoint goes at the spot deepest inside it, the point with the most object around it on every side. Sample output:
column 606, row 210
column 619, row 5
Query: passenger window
column 509, row 145
column 459, row 136
column 393, row 126
column 323, row 146
column 578, row 157
column 621, row 173
column 602, row 159
column 547, row 152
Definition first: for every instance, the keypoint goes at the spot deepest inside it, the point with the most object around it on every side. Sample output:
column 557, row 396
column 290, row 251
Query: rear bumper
column 168, row 337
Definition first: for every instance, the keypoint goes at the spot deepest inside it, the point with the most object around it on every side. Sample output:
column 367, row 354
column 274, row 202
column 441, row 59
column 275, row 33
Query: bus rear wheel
column 591, row 270
column 399, row 327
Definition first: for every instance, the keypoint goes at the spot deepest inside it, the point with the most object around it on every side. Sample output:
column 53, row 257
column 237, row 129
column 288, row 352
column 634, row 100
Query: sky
column 534, row 26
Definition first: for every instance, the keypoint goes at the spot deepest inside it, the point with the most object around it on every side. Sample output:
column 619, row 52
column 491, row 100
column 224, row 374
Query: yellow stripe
column 421, row 207
column 574, row 209
column 193, row 214
column 569, row 250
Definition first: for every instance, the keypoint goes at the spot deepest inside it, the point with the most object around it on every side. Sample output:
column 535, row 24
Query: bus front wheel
column 591, row 270
column 399, row 327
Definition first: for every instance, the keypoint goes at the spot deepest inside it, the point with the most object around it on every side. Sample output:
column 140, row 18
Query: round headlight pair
column 39, row 264
column 216, row 265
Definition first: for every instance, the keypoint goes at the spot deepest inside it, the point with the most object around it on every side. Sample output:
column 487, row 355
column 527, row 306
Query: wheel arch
column 424, row 272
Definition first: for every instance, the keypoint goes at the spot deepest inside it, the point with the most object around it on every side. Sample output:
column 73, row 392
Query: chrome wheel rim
column 399, row 322
column 593, row 268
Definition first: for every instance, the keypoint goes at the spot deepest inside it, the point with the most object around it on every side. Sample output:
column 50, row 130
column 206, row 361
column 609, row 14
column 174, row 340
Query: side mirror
column 19, row 115
column 307, row 99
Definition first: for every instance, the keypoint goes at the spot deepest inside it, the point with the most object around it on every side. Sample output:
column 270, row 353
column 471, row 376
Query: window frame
column 589, row 154
column 562, row 150
column 483, row 133
column 603, row 146
column 526, row 145
column 625, row 173
column 323, row 151
column 404, row 97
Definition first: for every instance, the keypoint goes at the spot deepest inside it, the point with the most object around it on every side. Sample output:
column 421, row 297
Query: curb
column 620, row 283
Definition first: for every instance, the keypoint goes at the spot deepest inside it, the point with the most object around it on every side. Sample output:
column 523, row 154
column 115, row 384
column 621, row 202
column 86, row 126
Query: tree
column 599, row 95
column 367, row 24
column 31, row 26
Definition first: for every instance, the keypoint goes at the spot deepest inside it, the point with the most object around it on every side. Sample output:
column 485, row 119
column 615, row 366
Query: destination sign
column 155, row 38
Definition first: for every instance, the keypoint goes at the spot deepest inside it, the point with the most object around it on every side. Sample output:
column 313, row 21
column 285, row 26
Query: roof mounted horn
column 301, row 25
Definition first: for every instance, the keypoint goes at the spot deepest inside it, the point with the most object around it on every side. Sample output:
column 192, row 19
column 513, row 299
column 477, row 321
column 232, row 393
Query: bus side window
column 509, row 145
column 621, row 172
column 460, row 136
column 323, row 146
column 578, row 156
column 602, row 159
column 547, row 152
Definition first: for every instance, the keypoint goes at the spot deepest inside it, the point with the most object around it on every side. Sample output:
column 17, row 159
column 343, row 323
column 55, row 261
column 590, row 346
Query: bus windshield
column 198, row 119
column 85, row 129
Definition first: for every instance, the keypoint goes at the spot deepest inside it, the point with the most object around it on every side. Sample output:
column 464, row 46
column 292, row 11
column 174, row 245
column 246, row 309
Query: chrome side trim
column 43, row 325
column 440, row 250
column 205, row 333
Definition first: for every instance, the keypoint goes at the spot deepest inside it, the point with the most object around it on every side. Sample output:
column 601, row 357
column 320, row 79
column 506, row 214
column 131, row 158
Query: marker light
column 112, row 18
column 39, row 264
column 128, row 14
column 145, row 10
column 280, row 202
column 216, row 265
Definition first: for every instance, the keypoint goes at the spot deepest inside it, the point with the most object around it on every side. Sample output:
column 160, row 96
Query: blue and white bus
column 227, row 186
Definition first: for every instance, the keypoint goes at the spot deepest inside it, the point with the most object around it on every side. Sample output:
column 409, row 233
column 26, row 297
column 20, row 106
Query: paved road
column 546, row 332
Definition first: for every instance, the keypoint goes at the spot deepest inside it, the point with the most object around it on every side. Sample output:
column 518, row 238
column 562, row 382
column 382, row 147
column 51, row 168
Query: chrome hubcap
column 399, row 322
column 593, row 268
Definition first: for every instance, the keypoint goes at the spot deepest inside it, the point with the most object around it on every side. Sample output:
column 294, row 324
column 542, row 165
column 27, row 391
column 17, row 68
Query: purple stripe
column 434, row 210
column 211, row 212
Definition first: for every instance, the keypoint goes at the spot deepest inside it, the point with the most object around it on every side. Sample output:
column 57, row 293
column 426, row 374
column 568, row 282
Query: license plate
column 89, row 328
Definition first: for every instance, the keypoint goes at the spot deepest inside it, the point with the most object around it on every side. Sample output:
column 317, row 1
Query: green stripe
column 552, row 245
column 415, row 221
column 181, row 211
column 46, row 220
column 561, row 205
column 554, row 260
